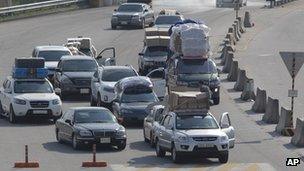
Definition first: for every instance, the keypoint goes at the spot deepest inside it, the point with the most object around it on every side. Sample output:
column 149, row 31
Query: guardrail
column 32, row 6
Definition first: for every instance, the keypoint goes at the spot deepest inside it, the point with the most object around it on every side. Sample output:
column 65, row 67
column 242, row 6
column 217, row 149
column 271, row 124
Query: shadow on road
column 76, row 98
column 123, row 28
column 67, row 148
column 26, row 122
column 141, row 146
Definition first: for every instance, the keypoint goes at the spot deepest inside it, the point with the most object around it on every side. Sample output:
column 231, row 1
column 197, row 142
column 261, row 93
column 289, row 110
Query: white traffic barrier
column 235, row 32
column 232, row 76
column 298, row 137
column 228, row 62
column 242, row 30
column 259, row 105
column 248, row 91
column 232, row 38
column 285, row 122
column 272, row 115
column 247, row 20
column 240, row 82
column 236, row 22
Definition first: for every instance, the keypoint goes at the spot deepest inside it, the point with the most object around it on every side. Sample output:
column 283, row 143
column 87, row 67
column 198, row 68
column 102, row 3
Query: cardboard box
column 188, row 100
column 157, row 41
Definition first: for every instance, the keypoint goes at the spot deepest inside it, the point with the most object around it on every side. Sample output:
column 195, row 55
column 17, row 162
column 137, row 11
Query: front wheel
column 176, row 157
column 113, row 27
column 58, row 138
column 1, row 110
column 143, row 24
column 159, row 151
column 92, row 101
column 216, row 100
column 75, row 144
column 223, row 158
column 122, row 146
column 12, row 116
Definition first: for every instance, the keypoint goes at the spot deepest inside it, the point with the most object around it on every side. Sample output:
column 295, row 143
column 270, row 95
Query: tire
column 143, row 24
column 122, row 146
column 99, row 102
column 1, row 111
column 146, row 139
column 75, row 144
column 159, row 151
column 58, row 137
column 152, row 143
column 113, row 27
column 223, row 158
column 216, row 100
column 176, row 157
column 92, row 101
column 12, row 117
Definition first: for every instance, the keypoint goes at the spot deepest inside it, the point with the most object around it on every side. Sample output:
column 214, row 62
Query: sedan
column 90, row 125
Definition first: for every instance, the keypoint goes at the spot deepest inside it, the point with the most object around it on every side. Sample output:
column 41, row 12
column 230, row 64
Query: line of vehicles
column 170, row 94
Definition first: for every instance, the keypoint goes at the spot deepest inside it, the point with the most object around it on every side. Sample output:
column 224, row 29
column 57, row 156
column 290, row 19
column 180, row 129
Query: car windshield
column 79, row 65
column 114, row 75
column 158, row 115
column 167, row 20
column 130, row 8
column 94, row 116
column 32, row 87
column 195, row 122
column 138, row 97
column 53, row 55
column 156, row 51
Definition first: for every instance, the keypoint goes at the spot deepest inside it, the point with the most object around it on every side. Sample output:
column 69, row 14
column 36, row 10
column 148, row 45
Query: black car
column 133, row 14
column 90, row 125
column 73, row 75
column 133, row 95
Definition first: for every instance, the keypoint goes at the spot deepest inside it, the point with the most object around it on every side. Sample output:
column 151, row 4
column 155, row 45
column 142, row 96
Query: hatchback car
column 90, row 125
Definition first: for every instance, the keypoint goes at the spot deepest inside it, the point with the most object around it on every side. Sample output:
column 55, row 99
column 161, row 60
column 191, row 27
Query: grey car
column 73, row 75
column 133, row 14
column 90, row 125
column 230, row 3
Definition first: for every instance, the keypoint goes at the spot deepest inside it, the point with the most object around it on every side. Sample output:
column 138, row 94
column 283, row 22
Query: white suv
column 29, row 98
column 103, row 82
column 196, row 133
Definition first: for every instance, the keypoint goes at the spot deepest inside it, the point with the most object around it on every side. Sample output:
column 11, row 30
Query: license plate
column 84, row 91
column 105, row 140
column 124, row 22
column 39, row 112
column 205, row 145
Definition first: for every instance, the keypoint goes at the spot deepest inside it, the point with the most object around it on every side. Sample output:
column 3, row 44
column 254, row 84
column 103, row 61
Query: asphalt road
column 256, row 147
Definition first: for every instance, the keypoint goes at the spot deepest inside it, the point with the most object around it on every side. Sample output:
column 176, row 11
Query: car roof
column 133, row 3
column 76, row 57
column 88, row 108
column 115, row 67
column 51, row 47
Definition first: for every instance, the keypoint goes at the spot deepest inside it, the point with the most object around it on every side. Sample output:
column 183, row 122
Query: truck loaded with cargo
column 189, row 67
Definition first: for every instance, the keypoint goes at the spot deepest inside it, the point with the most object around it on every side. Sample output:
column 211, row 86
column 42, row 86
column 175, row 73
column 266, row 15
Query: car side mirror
column 120, row 120
column 141, row 54
column 146, row 10
column 68, row 121
column 57, row 91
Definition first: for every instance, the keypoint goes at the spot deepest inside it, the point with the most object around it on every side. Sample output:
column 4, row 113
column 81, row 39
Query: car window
column 157, row 74
column 166, row 121
column 185, row 122
column 32, row 87
column 53, row 55
column 225, row 121
column 4, row 84
column 94, row 116
column 138, row 97
column 130, row 8
column 114, row 75
column 167, row 20
column 158, row 115
column 66, row 115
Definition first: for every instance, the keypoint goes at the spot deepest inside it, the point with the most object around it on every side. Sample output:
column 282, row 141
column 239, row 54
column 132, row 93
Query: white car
column 103, row 82
column 29, row 98
column 157, row 77
column 194, row 133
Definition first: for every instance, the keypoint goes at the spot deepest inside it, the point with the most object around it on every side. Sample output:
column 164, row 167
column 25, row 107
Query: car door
column 7, row 93
column 66, row 127
column 168, row 131
column 161, row 130
column 95, row 84
column 148, row 124
column 226, row 127
column 157, row 77
column 107, row 57
column 57, row 75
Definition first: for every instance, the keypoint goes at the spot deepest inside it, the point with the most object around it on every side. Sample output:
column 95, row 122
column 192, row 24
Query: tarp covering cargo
column 136, row 84
column 188, row 100
column 191, row 40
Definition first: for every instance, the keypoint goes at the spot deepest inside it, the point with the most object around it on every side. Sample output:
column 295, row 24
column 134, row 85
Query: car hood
column 98, row 126
column 135, row 105
column 37, row 96
column 78, row 74
column 156, row 58
column 203, row 132
column 163, row 26
column 51, row 64
column 127, row 13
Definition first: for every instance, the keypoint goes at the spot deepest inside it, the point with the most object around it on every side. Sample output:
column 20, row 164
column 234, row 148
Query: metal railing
column 32, row 6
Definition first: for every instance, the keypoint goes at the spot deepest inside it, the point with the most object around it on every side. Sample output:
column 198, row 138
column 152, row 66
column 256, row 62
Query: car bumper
column 85, row 90
column 126, row 22
column 53, row 111
column 133, row 117
column 95, row 140
column 200, row 148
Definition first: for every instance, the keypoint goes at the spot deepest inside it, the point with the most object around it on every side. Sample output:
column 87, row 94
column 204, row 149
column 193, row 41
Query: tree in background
column 20, row 2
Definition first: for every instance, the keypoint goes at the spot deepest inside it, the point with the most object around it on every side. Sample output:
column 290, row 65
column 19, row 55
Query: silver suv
column 194, row 133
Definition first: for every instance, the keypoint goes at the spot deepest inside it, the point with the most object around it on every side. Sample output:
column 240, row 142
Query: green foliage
column 21, row 2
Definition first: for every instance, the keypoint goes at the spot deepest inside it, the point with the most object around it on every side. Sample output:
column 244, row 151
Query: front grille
column 39, row 104
column 82, row 82
column 159, row 64
column 125, row 18
column 104, row 133
column 204, row 138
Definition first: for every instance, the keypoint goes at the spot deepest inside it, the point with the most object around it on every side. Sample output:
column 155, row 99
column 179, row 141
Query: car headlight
column 224, row 138
column 56, row 102
column 19, row 101
column 182, row 138
column 216, row 90
column 136, row 17
column 126, row 111
column 121, row 132
column 85, row 133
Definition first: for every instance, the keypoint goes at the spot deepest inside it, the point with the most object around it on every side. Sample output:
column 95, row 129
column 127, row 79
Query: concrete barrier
column 232, row 76
column 242, row 30
column 285, row 122
column 228, row 62
column 272, row 115
column 235, row 32
column 236, row 22
column 223, row 55
column 298, row 138
column 259, row 105
column 248, row 91
column 247, row 20
column 240, row 82
column 232, row 38
column 230, row 48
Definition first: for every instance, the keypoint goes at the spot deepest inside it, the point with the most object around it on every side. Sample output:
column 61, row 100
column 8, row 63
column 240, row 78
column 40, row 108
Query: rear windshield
column 53, row 55
column 114, row 75
column 138, row 97
column 196, row 66
column 167, row 20
column 130, row 8
column 156, row 51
